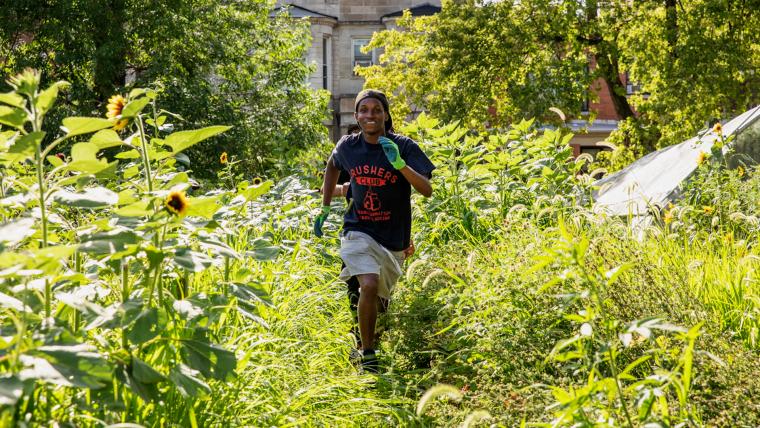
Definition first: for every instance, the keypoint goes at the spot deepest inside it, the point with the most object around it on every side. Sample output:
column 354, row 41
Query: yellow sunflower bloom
column 668, row 217
column 701, row 158
column 223, row 158
column 177, row 203
column 740, row 171
column 115, row 106
column 717, row 128
column 707, row 209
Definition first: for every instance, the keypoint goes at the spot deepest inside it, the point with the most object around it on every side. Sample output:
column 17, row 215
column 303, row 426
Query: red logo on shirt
column 371, row 201
column 371, row 181
column 372, row 177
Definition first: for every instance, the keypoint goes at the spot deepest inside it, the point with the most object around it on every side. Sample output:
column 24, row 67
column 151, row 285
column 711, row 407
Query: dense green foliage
column 496, row 63
column 123, row 300
column 213, row 62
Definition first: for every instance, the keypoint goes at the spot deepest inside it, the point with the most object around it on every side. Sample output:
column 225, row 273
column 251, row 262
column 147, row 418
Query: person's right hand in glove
column 319, row 221
column 391, row 152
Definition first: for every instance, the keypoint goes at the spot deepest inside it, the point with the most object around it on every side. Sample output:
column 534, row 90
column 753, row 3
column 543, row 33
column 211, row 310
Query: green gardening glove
column 320, row 220
column 391, row 152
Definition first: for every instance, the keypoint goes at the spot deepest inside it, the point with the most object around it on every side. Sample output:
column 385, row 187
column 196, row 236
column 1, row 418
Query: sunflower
column 223, row 158
column 701, row 158
column 717, row 128
column 740, row 171
column 177, row 203
column 707, row 209
column 257, row 181
column 115, row 106
column 668, row 217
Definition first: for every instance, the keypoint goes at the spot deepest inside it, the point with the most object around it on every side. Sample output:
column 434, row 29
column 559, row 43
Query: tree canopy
column 213, row 63
column 494, row 63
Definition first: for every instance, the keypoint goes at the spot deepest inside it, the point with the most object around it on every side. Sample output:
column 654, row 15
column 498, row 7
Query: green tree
column 696, row 61
column 213, row 62
column 497, row 62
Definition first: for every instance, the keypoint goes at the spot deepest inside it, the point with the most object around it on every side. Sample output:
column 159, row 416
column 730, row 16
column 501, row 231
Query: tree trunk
column 609, row 70
column 110, row 46
column 671, row 23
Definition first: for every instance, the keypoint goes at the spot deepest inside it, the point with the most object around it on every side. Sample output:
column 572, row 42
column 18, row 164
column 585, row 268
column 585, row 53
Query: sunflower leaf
column 84, row 125
column 96, row 197
column 46, row 99
column 188, row 382
column 13, row 117
column 133, row 108
column 182, row 140
column 23, row 147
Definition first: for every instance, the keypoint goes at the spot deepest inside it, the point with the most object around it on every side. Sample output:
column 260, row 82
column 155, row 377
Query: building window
column 326, row 55
column 360, row 58
column 631, row 88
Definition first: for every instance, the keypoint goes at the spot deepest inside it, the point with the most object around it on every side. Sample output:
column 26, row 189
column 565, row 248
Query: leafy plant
column 644, row 391
column 97, row 290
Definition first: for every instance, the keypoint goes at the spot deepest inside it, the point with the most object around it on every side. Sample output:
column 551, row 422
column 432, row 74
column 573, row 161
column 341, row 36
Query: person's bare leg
column 368, row 284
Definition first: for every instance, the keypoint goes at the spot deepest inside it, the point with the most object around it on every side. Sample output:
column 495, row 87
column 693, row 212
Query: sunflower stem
column 144, row 152
column 124, row 297
column 38, row 159
column 77, row 268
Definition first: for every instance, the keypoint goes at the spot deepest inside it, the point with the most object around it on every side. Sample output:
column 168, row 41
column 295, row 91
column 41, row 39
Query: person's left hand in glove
column 319, row 221
column 391, row 152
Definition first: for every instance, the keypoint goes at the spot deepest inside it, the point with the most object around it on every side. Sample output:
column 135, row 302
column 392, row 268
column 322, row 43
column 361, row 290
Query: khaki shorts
column 362, row 255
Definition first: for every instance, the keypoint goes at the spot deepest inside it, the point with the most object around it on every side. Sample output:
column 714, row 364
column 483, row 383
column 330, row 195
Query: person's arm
column 332, row 173
column 409, row 252
column 339, row 190
column 417, row 180
column 331, row 179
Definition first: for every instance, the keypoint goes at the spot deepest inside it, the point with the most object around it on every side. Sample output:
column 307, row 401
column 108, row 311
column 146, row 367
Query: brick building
column 588, row 137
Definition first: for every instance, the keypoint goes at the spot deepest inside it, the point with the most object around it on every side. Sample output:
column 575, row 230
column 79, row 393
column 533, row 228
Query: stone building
column 339, row 28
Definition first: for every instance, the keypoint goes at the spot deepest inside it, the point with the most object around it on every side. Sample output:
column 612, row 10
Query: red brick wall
column 603, row 104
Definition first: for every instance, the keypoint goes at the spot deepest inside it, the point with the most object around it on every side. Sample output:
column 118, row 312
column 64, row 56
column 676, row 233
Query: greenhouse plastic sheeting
column 653, row 181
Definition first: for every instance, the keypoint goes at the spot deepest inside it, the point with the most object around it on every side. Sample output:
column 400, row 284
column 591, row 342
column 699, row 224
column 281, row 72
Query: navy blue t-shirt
column 381, row 196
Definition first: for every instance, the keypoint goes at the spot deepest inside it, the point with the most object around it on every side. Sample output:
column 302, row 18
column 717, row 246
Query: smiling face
column 371, row 116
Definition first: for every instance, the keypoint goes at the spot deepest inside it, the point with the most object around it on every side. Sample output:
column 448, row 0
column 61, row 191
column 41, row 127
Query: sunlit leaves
column 182, row 140
column 13, row 117
column 73, row 126
column 204, row 207
column 67, row 365
column 23, row 147
column 188, row 381
column 263, row 250
column 134, row 107
column 191, row 260
column 211, row 360
column 145, row 373
column 46, row 98
column 149, row 324
column 97, row 197
column 109, row 242
column 105, row 138
column 16, row 230
column 12, row 99
column 92, row 255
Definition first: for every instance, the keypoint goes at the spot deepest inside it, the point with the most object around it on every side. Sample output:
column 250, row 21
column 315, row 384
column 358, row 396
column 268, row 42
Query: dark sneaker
column 370, row 364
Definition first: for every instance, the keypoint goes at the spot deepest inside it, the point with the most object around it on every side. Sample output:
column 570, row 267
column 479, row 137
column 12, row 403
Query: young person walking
column 383, row 167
